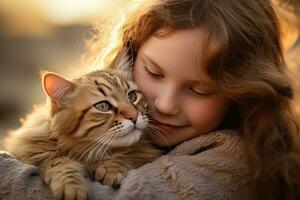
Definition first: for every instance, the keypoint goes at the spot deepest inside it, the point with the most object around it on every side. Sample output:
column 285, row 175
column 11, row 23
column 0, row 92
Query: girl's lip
column 166, row 128
column 166, row 124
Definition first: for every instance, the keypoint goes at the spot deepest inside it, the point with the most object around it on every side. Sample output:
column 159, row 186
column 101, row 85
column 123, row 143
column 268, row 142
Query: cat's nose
column 133, row 117
column 127, row 111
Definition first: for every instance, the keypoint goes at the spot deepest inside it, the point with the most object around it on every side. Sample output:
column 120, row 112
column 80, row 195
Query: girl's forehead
column 178, row 53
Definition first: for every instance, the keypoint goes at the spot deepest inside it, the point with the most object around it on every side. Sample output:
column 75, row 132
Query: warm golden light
column 77, row 11
column 38, row 17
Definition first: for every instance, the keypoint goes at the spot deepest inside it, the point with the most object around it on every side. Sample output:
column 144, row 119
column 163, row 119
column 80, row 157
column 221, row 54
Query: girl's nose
column 166, row 102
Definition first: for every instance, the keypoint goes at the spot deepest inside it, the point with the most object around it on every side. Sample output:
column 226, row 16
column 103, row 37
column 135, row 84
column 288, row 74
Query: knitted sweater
column 211, row 166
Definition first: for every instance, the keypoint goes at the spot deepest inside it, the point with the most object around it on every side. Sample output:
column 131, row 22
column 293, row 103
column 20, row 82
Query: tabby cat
column 91, row 125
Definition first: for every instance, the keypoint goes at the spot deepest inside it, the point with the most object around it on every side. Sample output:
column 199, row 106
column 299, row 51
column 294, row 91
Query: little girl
column 215, row 79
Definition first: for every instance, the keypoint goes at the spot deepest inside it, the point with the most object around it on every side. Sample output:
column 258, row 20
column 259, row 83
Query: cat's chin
column 128, row 139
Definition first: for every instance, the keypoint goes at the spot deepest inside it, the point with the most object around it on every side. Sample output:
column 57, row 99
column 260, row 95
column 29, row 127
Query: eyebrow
column 148, row 59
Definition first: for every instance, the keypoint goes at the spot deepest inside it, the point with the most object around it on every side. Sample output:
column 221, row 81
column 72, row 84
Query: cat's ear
column 56, row 86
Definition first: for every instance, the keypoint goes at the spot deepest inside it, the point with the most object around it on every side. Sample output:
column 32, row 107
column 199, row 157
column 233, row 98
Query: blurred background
column 42, row 34
column 50, row 34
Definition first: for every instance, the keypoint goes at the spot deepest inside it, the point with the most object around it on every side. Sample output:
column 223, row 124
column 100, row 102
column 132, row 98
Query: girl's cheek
column 206, row 112
column 145, row 84
column 147, row 89
column 196, row 114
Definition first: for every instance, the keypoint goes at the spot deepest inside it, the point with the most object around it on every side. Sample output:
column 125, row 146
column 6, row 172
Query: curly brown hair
column 244, row 57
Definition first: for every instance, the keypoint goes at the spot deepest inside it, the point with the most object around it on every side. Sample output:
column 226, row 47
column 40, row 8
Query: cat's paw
column 110, row 175
column 70, row 191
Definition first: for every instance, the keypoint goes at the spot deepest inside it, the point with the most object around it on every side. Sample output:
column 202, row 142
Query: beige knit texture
column 211, row 166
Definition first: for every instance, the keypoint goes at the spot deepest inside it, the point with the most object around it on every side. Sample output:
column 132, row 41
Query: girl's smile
column 167, row 128
column 183, row 100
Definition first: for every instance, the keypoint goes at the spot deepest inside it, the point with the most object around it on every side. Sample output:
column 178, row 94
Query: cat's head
column 103, row 106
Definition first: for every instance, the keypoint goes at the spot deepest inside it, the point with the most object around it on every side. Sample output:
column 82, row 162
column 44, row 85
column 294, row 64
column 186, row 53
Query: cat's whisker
column 104, row 152
column 90, row 146
column 150, row 110
column 114, row 128
column 106, row 142
column 94, row 145
column 148, row 114
column 151, row 123
column 101, row 151
column 158, row 132
column 157, row 128
column 165, row 141
column 103, row 145
column 107, row 146
column 90, row 151
column 86, row 150
column 100, row 145
column 151, row 119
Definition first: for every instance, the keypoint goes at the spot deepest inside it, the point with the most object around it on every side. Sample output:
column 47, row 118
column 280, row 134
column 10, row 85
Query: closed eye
column 152, row 74
column 200, row 93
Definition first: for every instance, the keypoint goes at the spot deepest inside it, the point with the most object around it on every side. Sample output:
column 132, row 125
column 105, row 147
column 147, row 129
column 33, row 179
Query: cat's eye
column 103, row 106
column 134, row 96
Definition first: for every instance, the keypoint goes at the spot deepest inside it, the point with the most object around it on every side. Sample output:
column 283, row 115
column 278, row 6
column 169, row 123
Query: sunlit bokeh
column 33, row 18
column 42, row 34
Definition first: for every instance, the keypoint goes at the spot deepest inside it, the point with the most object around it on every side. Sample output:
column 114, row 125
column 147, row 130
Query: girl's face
column 183, row 100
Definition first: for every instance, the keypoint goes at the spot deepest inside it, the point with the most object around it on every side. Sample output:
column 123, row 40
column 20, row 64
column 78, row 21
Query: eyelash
column 152, row 74
column 199, row 93
column 160, row 76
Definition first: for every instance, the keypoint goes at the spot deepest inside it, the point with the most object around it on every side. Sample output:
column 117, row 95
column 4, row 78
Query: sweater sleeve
column 206, row 172
column 186, row 177
column 22, row 182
